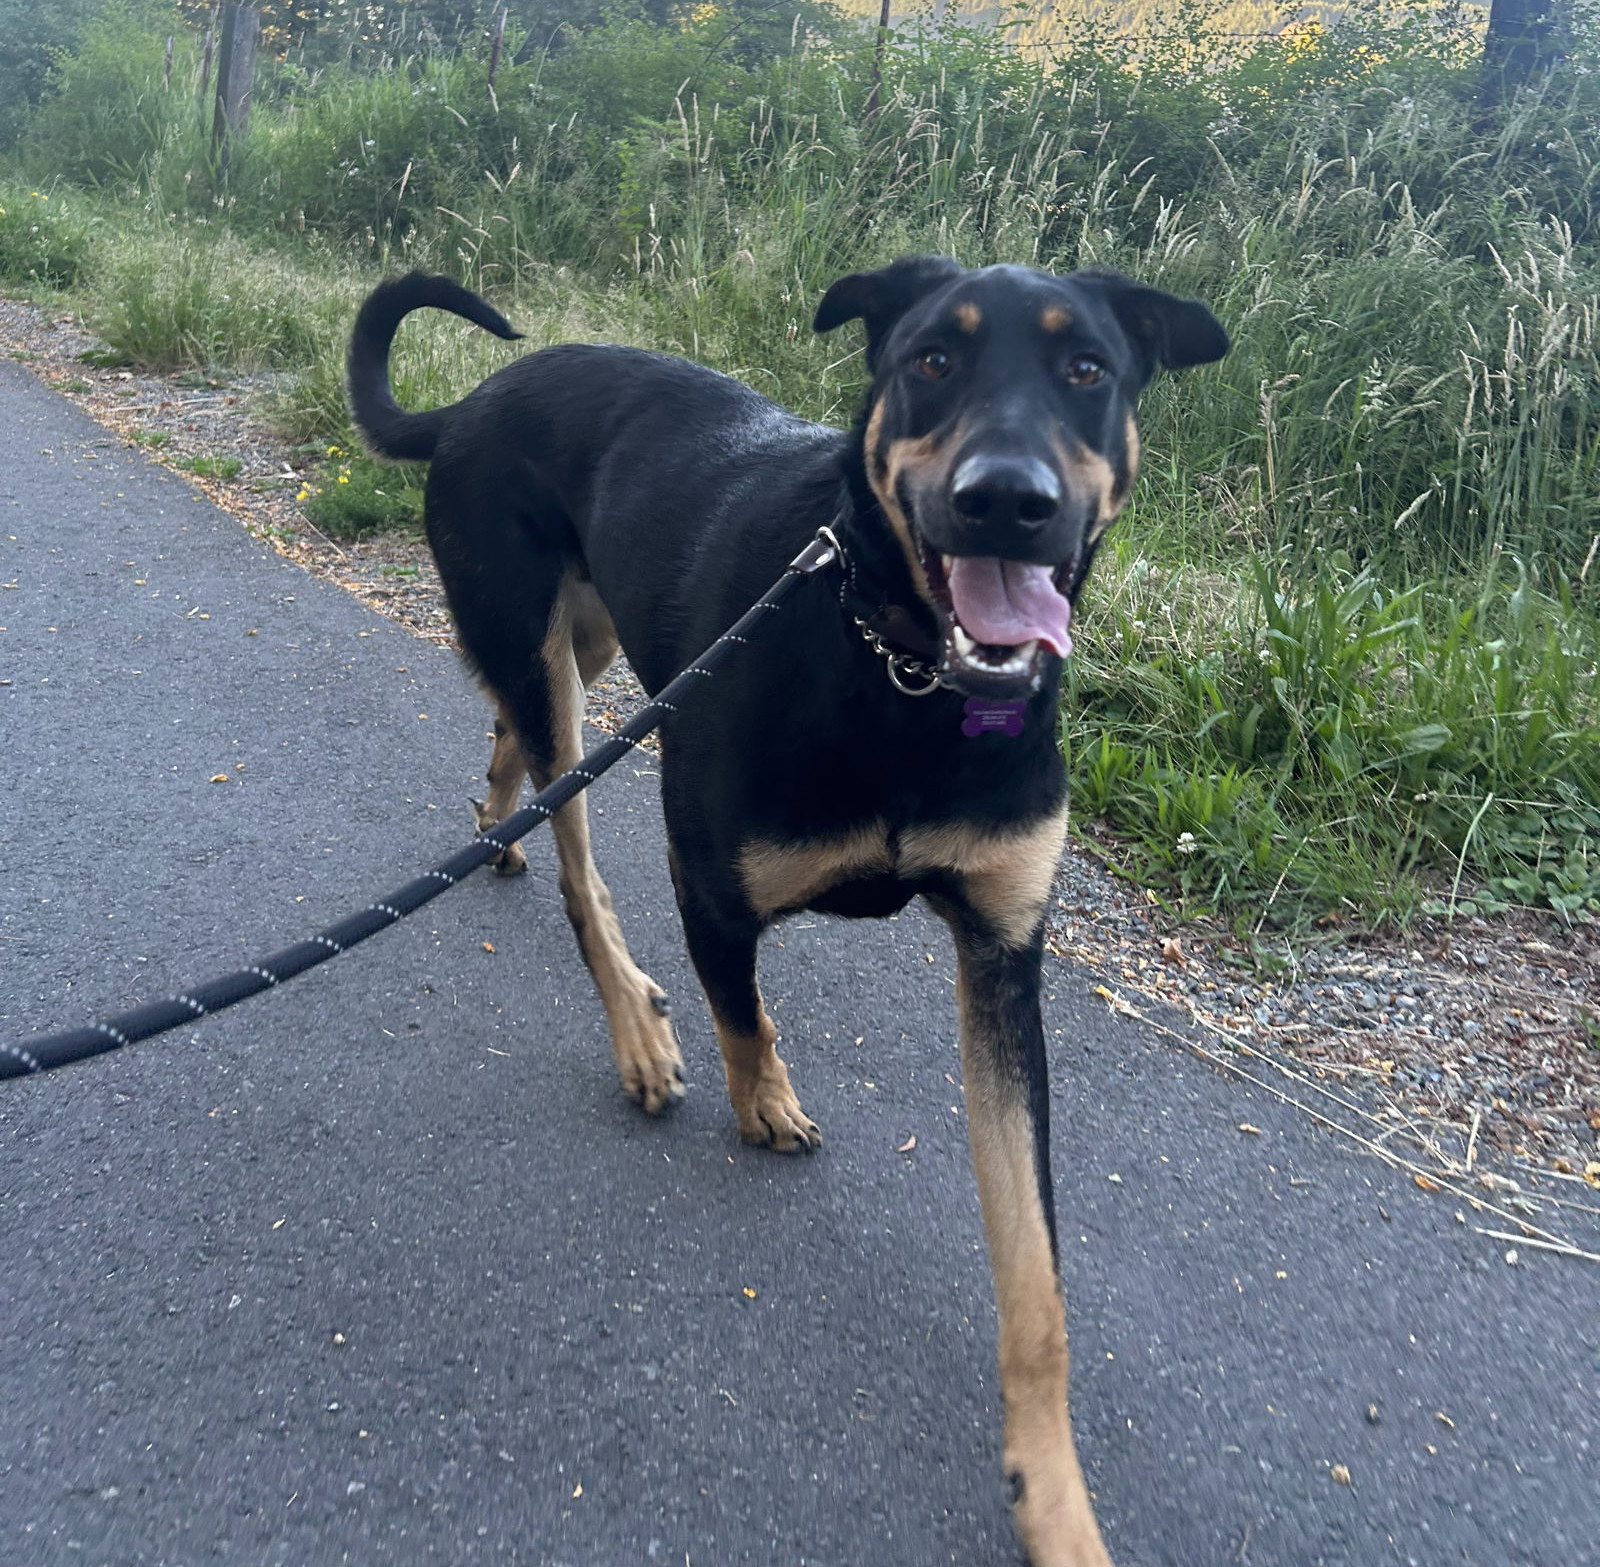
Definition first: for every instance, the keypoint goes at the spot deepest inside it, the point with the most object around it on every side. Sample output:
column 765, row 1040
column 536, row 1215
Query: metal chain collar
column 907, row 673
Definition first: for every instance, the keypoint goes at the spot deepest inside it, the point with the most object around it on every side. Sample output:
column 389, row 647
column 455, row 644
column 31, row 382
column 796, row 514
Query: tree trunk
column 1522, row 43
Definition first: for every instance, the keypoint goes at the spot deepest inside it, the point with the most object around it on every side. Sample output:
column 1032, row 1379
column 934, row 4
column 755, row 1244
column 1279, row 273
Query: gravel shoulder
column 1470, row 1049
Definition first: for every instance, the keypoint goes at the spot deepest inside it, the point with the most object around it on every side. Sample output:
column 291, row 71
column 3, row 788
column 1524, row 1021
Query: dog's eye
column 1083, row 370
column 933, row 363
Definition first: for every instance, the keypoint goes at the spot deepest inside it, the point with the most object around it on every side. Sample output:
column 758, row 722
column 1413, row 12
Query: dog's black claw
column 1015, row 1486
column 662, row 1005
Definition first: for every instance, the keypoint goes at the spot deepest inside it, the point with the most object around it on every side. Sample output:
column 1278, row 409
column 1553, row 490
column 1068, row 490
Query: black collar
column 874, row 590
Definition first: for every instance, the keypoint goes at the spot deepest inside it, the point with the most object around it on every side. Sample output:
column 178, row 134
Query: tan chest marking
column 1006, row 876
column 789, row 875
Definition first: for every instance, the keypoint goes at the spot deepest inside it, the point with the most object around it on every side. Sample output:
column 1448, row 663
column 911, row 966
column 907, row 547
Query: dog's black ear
column 880, row 298
column 1170, row 332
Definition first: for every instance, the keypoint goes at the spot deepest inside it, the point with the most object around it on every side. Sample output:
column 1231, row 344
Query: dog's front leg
column 1008, row 1109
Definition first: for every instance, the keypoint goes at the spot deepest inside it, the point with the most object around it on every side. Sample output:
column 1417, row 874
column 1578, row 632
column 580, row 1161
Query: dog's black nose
column 1006, row 490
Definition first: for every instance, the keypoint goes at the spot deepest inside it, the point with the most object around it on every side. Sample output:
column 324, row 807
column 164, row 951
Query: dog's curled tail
column 389, row 430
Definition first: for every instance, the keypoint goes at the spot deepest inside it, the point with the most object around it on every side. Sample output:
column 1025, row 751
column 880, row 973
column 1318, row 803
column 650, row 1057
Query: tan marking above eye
column 968, row 317
column 1055, row 318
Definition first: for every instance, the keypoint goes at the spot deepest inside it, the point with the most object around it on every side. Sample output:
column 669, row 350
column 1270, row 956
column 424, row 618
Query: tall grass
column 1379, row 514
column 1299, row 744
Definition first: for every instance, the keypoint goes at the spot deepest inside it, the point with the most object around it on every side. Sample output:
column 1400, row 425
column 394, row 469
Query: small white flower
column 1186, row 843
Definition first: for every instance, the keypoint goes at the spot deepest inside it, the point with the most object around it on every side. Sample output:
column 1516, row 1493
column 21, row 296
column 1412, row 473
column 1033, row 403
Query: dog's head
column 1000, row 438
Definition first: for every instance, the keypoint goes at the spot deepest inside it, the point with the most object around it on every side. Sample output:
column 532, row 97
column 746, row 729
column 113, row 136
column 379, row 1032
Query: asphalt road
column 381, row 1268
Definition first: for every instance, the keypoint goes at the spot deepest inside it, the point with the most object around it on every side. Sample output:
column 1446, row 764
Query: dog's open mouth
column 997, row 619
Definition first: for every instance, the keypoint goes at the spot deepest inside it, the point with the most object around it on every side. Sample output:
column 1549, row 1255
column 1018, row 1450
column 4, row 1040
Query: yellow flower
column 344, row 478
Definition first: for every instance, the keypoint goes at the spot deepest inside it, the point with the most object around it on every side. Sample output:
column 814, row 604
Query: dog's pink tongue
column 1006, row 603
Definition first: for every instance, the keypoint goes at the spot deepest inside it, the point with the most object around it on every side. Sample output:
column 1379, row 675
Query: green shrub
column 107, row 111
column 44, row 237
column 353, row 496
column 188, row 295
column 33, row 39
column 1302, row 740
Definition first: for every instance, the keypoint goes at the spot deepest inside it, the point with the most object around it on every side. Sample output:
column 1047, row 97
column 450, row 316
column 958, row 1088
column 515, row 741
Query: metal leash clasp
column 821, row 551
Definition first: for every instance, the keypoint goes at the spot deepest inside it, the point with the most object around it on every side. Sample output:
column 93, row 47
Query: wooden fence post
column 494, row 54
column 236, row 67
column 877, row 62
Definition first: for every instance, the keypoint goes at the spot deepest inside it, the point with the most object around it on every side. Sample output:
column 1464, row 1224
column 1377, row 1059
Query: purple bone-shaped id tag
column 993, row 718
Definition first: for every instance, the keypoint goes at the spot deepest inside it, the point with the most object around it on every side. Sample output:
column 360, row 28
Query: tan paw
column 1054, row 1516
column 648, row 1059
column 770, row 1115
column 509, row 862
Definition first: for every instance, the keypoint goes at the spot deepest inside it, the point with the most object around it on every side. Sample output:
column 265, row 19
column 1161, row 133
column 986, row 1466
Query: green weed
column 44, row 237
column 205, row 467
column 353, row 496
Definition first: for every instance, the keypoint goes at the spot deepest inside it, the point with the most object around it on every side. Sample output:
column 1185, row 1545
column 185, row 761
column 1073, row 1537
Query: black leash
column 43, row 1052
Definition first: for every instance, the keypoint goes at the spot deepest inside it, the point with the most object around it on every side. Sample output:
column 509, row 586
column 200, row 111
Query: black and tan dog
column 893, row 733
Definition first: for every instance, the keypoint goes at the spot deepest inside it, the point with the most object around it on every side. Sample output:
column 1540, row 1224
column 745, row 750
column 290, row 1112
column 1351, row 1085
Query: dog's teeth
column 1018, row 663
column 971, row 652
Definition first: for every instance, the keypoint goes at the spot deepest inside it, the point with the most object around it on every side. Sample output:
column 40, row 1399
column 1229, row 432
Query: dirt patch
column 1456, row 1041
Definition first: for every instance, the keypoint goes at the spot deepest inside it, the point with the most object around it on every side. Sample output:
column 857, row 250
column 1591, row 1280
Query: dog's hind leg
column 594, row 646
column 579, row 643
column 507, row 769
